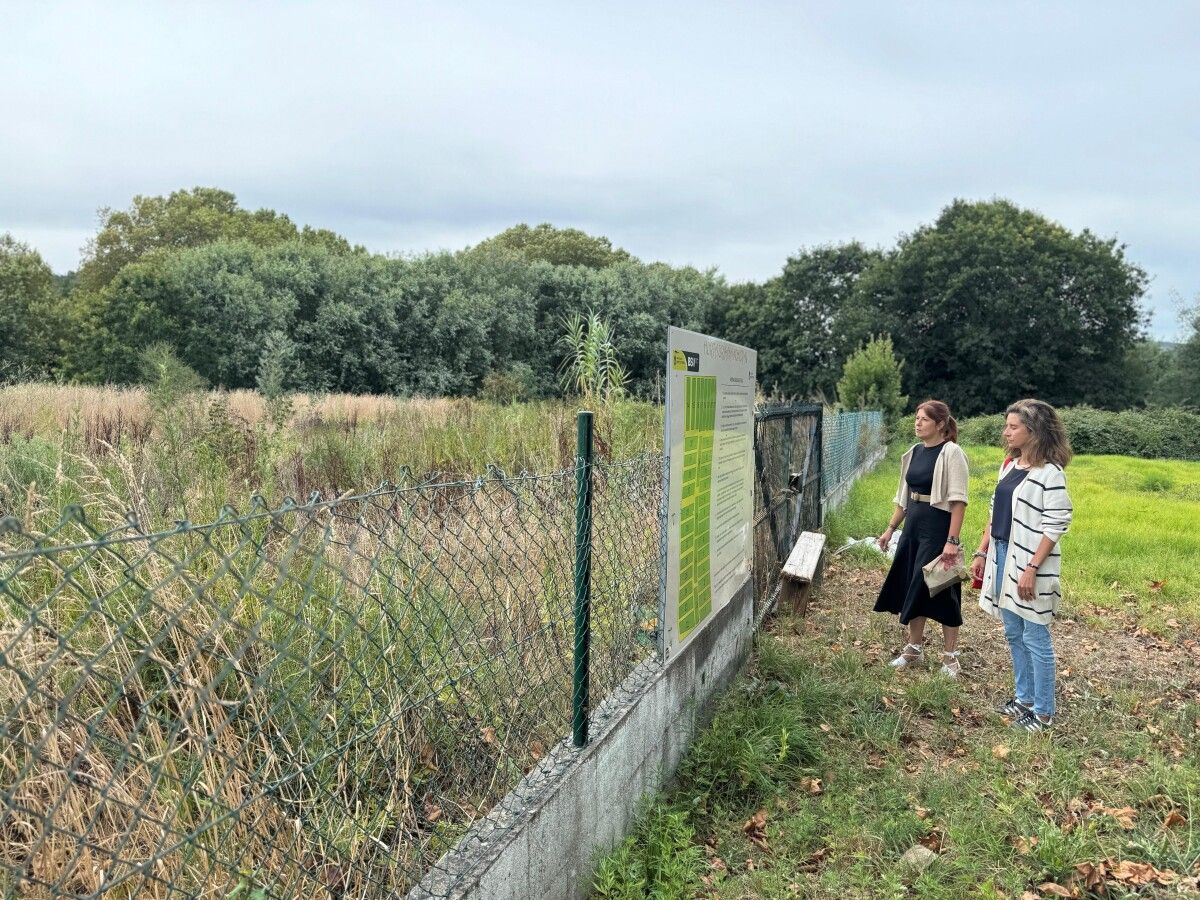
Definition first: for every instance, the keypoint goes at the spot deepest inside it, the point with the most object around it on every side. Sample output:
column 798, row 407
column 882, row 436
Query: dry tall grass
column 316, row 701
column 48, row 409
column 115, row 450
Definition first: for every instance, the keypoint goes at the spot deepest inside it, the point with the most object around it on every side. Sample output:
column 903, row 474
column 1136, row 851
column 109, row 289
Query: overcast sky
column 716, row 134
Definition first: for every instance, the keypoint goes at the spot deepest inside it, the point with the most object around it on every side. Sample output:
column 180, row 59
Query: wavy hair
column 1048, row 441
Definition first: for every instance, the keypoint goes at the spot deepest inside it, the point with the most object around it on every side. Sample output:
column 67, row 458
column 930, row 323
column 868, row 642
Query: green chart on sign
column 695, row 580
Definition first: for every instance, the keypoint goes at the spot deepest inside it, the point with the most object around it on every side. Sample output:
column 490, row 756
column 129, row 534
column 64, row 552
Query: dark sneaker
column 1015, row 709
column 1032, row 722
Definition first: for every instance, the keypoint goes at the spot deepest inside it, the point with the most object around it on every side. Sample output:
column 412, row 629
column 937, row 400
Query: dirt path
column 1096, row 664
column 1108, row 669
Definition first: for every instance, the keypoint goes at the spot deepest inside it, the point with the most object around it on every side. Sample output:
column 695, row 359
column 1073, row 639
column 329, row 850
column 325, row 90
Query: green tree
column 994, row 302
column 1178, row 381
column 797, row 321
column 435, row 324
column 871, row 380
column 31, row 313
column 185, row 218
column 558, row 246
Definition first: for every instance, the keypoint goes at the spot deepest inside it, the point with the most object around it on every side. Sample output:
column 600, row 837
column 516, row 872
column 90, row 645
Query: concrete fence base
column 543, row 839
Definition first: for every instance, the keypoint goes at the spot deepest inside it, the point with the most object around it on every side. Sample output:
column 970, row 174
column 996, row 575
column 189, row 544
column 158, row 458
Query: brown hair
column 940, row 413
column 1048, row 441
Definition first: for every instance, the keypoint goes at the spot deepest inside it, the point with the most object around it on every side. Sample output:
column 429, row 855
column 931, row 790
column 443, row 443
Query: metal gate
column 787, row 488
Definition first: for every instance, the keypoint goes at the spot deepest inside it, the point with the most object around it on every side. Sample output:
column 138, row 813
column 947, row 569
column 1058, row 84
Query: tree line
column 988, row 302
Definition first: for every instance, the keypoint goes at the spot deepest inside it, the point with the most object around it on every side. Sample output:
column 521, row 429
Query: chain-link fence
column 314, row 700
column 849, row 441
column 319, row 699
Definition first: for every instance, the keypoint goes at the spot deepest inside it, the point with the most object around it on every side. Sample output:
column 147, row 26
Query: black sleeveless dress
column 923, row 538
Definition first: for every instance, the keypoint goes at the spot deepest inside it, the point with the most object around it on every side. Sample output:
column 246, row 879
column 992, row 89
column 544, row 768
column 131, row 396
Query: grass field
column 823, row 768
column 1136, row 524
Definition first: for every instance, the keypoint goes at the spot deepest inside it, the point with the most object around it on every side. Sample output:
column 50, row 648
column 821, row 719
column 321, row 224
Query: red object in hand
column 977, row 583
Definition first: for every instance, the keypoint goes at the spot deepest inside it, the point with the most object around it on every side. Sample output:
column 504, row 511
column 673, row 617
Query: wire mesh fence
column 850, row 440
column 319, row 699
column 311, row 700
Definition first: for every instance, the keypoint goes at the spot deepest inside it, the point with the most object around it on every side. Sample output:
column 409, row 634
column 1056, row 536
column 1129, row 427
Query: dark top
column 920, row 467
column 1002, row 504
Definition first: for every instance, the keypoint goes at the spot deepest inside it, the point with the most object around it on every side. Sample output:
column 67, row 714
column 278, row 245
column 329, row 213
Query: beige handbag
column 938, row 577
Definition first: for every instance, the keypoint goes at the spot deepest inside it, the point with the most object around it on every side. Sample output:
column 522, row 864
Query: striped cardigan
column 1041, row 507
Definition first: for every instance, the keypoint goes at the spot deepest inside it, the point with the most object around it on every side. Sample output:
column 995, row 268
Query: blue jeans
column 1031, row 648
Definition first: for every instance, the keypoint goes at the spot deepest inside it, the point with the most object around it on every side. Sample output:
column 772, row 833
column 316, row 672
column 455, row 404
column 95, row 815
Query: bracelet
column 979, row 554
column 957, row 542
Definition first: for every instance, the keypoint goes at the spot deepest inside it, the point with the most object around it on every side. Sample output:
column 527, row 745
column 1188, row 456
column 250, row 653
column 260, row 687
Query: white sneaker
column 909, row 656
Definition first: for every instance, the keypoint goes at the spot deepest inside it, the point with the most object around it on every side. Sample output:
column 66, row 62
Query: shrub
column 511, row 385
column 1168, row 433
column 871, row 380
column 986, row 430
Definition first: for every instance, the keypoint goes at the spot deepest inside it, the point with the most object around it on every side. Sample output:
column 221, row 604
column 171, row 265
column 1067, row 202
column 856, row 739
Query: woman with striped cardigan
column 1019, row 559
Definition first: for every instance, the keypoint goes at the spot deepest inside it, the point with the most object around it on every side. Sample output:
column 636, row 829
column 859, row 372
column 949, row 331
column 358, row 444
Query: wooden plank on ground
column 805, row 557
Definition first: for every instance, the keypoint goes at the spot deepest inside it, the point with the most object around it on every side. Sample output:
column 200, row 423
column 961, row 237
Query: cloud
column 707, row 133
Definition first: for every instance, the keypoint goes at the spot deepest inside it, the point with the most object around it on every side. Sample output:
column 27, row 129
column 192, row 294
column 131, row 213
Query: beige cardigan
column 949, row 477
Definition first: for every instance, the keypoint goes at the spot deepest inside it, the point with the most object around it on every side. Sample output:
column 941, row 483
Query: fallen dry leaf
column 488, row 734
column 537, row 749
column 812, row 785
column 1175, row 819
column 1157, row 585
column 1124, row 816
column 1094, row 875
column 433, row 812
column 1054, row 889
column 933, row 841
column 1025, row 845
column 1135, row 873
column 922, row 812
column 1000, row 751
column 756, row 828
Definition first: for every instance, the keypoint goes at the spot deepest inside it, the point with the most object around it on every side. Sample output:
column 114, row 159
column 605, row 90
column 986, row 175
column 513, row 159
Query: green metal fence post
column 820, row 437
column 583, row 579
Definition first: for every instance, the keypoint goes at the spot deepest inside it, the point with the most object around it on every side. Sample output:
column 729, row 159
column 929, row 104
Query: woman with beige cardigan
column 931, row 501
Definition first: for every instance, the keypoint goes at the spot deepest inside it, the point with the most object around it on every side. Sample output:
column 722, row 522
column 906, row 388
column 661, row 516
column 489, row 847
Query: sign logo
column 683, row 361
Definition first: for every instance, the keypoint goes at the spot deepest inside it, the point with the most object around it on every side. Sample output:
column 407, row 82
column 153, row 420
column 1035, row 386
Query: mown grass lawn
column 1136, row 525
